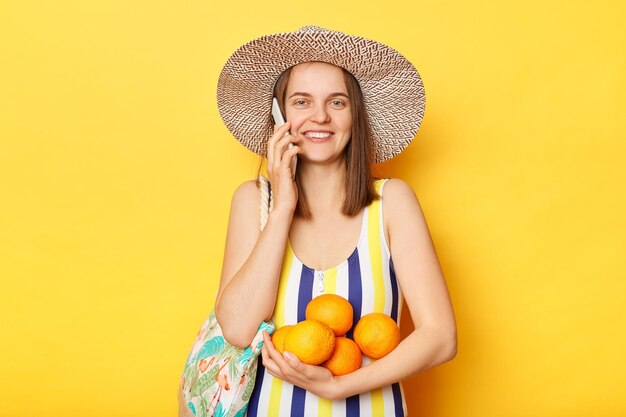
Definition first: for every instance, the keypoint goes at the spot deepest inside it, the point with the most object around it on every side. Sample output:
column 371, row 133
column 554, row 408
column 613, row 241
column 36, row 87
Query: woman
column 331, row 228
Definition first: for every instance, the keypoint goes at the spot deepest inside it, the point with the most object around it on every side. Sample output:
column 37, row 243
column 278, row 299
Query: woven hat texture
column 392, row 88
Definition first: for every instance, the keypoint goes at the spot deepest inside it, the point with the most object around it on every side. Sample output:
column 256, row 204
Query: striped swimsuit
column 367, row 279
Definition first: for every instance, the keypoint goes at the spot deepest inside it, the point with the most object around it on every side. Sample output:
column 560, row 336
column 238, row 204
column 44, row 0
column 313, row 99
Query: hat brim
column 392, row 88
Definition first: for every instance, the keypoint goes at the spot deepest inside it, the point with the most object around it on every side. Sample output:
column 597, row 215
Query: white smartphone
column 279, row 120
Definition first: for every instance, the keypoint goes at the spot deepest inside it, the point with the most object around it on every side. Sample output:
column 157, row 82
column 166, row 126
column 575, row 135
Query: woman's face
column 318, row 107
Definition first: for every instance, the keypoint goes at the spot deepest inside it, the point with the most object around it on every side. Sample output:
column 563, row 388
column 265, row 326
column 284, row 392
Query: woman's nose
column 320, row 114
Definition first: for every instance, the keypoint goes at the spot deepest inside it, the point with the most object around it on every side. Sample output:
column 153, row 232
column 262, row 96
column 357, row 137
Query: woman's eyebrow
column 298, row 93
column 340, row 94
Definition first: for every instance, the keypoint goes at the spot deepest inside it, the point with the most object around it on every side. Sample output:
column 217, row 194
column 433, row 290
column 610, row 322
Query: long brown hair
column 359, row 188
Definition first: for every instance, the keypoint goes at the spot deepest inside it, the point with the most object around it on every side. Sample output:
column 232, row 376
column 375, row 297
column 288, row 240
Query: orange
column 278, row 338
column 332, row 310
column 345, row 359
column 311, row 341
column 377, row 335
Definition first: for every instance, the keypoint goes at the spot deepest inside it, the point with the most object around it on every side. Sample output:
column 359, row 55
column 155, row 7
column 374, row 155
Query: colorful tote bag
column 218, row 378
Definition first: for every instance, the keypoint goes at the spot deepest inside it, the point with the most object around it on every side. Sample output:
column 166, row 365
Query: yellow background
column 117, row 172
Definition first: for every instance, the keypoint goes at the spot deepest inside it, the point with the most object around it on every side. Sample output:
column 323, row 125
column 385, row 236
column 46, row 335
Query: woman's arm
column 417, row 268
column 433, row 341
column 251, row 266
column 253, row 259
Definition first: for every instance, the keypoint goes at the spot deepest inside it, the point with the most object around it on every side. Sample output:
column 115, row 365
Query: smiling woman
column 339, row 101
column 348, row 102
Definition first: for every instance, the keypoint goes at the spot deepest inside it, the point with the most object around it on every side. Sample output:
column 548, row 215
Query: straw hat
column 392, row 88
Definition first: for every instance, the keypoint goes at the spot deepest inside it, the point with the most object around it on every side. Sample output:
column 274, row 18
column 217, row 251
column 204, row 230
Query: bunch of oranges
column 320, row 339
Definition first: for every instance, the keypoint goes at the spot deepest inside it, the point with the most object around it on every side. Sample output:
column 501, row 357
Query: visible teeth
column 318, row 135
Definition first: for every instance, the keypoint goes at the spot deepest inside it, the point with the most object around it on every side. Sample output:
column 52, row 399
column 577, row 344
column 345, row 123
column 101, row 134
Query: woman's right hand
column 279, row 157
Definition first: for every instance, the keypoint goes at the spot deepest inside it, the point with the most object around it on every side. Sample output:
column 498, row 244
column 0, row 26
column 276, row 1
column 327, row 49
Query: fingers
column 268, row 362
column 271, row 350
column 294, row 362
column 277, row 148
column 279, row 132
column 276, row 364
column 288, row 367
column 267, row 340
column 288, row 156
column 280, row 148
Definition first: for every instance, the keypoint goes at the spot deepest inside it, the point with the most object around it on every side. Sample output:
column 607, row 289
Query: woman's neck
column 323, row 186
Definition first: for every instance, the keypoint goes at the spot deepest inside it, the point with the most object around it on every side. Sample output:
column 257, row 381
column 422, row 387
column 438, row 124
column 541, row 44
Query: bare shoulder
column 402, row 210
column 247, row 192
column 245, row 213
column 243, row 228
column 399, row 196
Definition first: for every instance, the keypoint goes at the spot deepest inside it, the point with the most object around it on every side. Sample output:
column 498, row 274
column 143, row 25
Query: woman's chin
column 318, row 158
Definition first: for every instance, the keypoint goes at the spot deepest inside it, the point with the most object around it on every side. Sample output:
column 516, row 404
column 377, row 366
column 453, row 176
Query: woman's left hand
column 315, row 379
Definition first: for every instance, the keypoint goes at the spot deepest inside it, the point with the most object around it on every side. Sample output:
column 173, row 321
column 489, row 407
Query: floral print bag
column 218, row 378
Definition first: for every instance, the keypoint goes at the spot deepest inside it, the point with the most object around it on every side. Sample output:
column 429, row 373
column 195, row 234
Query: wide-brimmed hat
column 392, row 88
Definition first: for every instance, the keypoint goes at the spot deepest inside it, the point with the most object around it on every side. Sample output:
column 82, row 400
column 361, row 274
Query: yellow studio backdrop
column 117, row 173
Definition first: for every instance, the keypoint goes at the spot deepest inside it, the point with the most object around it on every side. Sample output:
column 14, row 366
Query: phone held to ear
column 279, row 120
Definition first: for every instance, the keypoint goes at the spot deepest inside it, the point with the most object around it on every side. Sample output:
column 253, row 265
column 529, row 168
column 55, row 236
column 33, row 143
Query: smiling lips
column 316, row 136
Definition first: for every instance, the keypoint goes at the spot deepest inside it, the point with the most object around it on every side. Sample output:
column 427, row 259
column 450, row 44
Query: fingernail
column 288, row 355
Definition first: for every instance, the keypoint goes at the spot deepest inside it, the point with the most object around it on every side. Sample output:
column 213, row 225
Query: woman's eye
column 338, row 103
column 299, row 102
